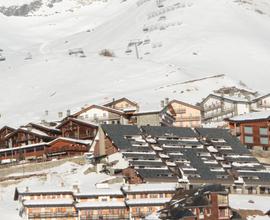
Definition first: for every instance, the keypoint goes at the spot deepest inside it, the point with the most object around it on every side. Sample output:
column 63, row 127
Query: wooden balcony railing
column 191, row 118
column 104, row 217
column 49, row 215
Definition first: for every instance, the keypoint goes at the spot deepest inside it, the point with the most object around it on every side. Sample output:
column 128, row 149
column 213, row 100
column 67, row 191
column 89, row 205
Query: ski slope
column 181, row 40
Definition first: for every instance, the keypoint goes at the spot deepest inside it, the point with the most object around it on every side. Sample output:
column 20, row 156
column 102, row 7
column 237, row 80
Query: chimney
column 166, row 101
column 162, row 104
column 68, row 112
column 27, row 189
column 46, row 112
column 62, row 184
column 76, row 188
column 60, row 114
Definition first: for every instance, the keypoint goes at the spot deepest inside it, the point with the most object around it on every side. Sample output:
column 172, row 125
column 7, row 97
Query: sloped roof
column 185, row 104
column 118, row 132
column 159, row 131
column 120, row 100
column 254, row 116
column 104, row 108
column 78, row 121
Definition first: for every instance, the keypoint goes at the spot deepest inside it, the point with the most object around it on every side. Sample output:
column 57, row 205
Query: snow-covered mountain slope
column 179, row 40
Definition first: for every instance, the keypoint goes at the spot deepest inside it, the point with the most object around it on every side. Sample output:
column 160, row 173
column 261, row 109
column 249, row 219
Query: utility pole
column 135, row 43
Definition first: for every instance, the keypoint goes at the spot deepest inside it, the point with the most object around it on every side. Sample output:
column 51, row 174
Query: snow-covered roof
column 100, row 192
column 152, row 201
column 251, row 116
column 108, row 204
column 149, row 187
column 71, row 140
column 23, row 147
column 49, row 202
column 34, row 131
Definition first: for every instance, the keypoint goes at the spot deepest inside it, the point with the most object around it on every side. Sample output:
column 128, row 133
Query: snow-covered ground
column 181, row 41
column 250, row 202
column 62, row 177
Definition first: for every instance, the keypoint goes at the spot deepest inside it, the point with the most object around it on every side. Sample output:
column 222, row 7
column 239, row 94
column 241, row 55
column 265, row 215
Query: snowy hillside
column 178, row 41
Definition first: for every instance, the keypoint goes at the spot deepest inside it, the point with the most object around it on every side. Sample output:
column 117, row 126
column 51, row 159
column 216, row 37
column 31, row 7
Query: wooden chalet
column 66, row 147
column 48, row 128
column 27, row 152
column 6, row 130
column 26, row 136
column 78, row 129
column 58, row 148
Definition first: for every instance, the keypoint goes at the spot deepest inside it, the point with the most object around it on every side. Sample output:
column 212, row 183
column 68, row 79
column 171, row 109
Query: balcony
column 212, row 107
column 264, row 106
column 180, row 111
column 49, row 215
column 66, row 149
column 105, row 217
column 218, row 114
column 191, row 118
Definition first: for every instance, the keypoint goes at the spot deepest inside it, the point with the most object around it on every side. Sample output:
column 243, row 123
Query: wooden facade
column 255, row 134
column 101, row 203
column 60, row 210
column 132, row 176
column 58, row 148
column 26, row 136
column 78, row 129
column 6, row 130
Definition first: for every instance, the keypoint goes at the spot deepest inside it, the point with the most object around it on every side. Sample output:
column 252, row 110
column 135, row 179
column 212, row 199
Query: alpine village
column 179, row 161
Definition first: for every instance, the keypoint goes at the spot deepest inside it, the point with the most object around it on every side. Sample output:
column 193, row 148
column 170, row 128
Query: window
column 248, row 130
column 264, row 140
column 265, row 148
column 249, row 139
column 263, row 131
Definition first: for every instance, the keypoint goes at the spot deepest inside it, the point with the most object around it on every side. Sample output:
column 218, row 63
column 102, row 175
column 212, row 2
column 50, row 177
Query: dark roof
column 147, row 163
column 117, row 134
column 159, row 131
column 183, row 200
column 202, row 169
column 156, row 174
column 181, row 213
column 136, row 155
column 263, row 176
column 231, row 140
column 121, row 136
